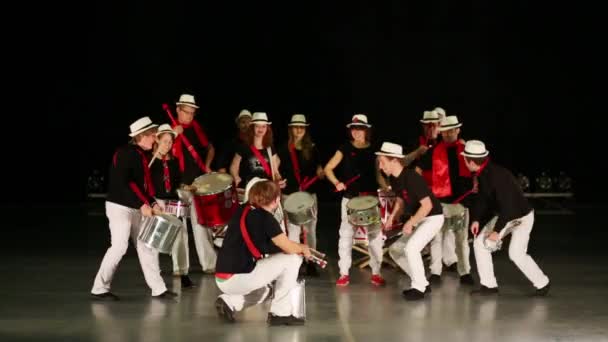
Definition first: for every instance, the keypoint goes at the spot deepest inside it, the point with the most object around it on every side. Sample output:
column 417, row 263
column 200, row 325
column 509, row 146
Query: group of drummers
column 260, row 203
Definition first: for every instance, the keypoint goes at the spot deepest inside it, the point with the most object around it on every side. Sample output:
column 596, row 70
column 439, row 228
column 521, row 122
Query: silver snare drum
column 177, row 208
column 363, row 211
column 159, row 232
column 299, row 207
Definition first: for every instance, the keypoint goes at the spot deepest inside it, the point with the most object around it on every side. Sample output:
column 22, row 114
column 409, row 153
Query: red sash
column 148, row 186
column 262, row 160
column 250, row 246
column 178, row 150
column 166, row 175
column 440, row 183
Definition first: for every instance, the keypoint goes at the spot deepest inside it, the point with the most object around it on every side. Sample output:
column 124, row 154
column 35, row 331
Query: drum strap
column 262, row 160
column 250, row 246
column 166, row 175
column 148, row 186
column 294, row 162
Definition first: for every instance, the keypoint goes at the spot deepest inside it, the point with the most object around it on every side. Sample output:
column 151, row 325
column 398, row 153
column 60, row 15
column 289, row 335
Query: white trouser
column 457, row 245
column 246, row 289
column 406, row 251
column 203, row 242
column 345, row 245
column 180, row 252
column 518, row 253
column 125, row 222
column 294, row 231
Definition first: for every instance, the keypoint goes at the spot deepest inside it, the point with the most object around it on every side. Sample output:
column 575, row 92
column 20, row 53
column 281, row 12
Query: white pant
column 454, row 243
column 518, row 253
column 180, row 252
column 246, row 289
column 125, row 222
column 406, row 251
column 345, row 245
column 203, row 242
column 294, row 231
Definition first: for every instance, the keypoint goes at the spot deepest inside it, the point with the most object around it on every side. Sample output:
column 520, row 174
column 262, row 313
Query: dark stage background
column 515, row 75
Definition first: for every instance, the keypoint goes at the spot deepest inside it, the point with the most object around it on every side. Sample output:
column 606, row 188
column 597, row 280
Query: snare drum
column 159, row 232
column 363, row 211
column 299, row 207
column 387, row 201
column 177, row 208
column 215, row 199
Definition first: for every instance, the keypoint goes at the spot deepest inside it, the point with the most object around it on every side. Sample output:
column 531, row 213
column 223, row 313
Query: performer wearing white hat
column 450, row 182
column 361, row 177
column 301, row 167
column 130, row 195
column 202, row 148
column 255, row 253
column 424, row 222
column 500, row 195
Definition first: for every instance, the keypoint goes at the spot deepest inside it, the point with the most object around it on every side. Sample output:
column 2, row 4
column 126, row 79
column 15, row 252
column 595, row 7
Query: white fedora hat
column 440, row 111
column 260, row 118
column 141, row 125
column 243, row 113
column 449, row 122
column 187, row 100
column 430, row 116
column 359, row 120
column 166, row 128
column 298, row 120
column 391, row 150
column 249, row 185
column 475, row 149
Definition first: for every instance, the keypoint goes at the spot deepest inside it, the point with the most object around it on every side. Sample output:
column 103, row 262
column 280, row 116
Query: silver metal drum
column 363, row 211
column 299, row 207
column 159, row 232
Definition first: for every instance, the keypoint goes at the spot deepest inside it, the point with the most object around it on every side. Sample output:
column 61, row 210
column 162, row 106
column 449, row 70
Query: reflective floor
column 50, row 256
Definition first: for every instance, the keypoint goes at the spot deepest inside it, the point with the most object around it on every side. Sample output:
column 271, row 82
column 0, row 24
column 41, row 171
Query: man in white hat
column 131, row 196
column 424, row 222
column 201, row 150
column 500, row 195
column 230, row 147
column 430, row 132
column 451, row 182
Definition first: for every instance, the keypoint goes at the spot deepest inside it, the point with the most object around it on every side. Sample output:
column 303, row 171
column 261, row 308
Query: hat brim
column 481, row 155
column 430, row 120
column 139, row 131
column 395, row 155
column 249, row 185
column 358, row 124
column 447, row 128
column 298, row 124
column 260, row 122
column 189, row 104
column 172, row 132
column 241, row 116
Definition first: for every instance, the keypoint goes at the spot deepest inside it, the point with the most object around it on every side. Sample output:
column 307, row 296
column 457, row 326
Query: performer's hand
column 179, row 129
column 408, row 227
column 493, row 236
column 389, row 221
column 157, row 209
column 422, row 149
column 222, row 170
column 282, row 183
column 340, row 186
column 237, row 180
column 475, row 228
column 306, row 251
column 146, row 210
column 208, row 166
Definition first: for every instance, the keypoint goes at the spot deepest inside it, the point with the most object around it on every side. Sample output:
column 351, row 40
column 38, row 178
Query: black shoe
column 452, row 268
column 413, row 294
column 284, row 320
column 224, row 311
column 467, row 279
column 435, row 279
column 311, row 269
column 166, row 295
column 484, row 291
column 428, row 290
column 106, row 296
column 186, row 282
column 542, row 291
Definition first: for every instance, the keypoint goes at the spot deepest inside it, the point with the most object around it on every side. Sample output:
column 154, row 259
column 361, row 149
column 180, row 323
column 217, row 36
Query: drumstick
column 152, row 161
column 317, row 253
column 348, row 182
column 308, row 183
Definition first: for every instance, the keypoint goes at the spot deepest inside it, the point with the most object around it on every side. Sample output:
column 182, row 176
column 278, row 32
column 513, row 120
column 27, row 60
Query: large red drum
column 215, row 199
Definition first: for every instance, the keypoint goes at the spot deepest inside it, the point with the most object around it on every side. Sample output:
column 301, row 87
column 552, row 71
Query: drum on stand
column 364, row 215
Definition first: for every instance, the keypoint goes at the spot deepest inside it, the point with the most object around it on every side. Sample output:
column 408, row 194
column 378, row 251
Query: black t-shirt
column 191, row 168
column 234, row 256
column 359, row 161
column 158, row 178
column 308, row 168
column 412, row 188
column 251, row 166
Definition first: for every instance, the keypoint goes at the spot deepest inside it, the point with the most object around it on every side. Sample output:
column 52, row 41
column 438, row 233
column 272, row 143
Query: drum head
column 212, row 183
column 362, row 202
column 298, row 201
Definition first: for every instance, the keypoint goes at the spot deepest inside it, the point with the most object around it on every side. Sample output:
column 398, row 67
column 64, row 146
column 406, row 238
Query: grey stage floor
column 50, row 256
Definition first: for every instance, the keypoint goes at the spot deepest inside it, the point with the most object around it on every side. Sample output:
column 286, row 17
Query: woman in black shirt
column 256, row 252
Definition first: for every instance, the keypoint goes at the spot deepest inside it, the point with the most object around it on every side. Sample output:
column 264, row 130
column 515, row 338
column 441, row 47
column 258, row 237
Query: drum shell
column 159, row 232
column 214, row 210
column 364, row 217
column 303, row 213
column 177, row 208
